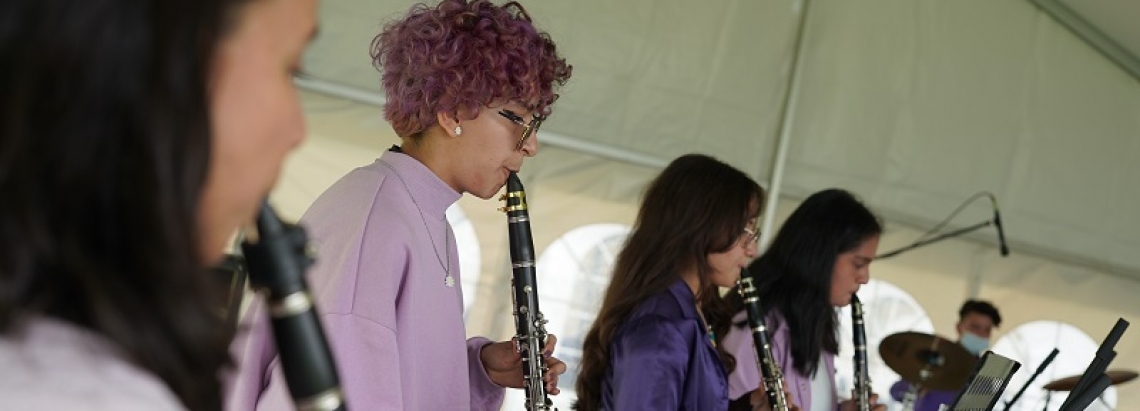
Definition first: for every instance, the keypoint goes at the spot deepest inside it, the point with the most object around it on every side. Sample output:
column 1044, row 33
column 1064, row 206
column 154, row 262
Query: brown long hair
column 104, row 149
column 698, row 205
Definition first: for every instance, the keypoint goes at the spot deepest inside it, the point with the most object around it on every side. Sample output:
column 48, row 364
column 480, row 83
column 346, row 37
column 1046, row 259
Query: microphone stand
column 1040, row 368
column 935, row 239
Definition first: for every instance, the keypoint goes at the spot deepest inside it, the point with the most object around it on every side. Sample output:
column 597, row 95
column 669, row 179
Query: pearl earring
column 458, row 130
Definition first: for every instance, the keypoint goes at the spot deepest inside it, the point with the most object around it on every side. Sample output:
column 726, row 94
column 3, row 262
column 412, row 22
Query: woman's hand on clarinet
column 504, row 365
column 759, row 399
column 850, row 405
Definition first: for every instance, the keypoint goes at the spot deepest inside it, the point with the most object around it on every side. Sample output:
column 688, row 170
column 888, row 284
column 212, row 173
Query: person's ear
column 450, row 123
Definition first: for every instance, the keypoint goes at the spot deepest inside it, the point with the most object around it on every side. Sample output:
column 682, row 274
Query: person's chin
column 490, row 192
column 725, row 281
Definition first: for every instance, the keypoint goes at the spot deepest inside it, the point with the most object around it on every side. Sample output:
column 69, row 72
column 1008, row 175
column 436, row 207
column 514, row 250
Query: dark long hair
column 104, row 149
column 696, row 206
column 793, row 276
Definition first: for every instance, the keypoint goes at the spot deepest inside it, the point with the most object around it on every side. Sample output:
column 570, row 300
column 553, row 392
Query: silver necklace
column 447, row 279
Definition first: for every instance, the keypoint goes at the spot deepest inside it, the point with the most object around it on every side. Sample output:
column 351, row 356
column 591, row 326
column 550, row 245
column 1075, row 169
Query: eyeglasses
column 752, row 236
column 528, row 128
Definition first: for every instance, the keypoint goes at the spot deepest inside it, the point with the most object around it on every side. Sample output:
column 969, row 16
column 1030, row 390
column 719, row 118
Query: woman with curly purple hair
column 467, row 85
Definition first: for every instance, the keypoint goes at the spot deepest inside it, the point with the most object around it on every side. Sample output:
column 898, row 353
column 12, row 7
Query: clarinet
column 770, row 372
column 859, row 337
column 277, row 263
column 529, row 323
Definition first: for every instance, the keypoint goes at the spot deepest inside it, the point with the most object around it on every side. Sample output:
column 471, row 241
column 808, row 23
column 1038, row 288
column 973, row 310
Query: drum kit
column 936, row 363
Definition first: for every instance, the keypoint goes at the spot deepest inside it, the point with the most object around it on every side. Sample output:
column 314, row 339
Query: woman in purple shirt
column 816, row 263
column 649, row 348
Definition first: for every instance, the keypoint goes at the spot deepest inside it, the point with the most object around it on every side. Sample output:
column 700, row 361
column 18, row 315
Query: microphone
column 1000, row 230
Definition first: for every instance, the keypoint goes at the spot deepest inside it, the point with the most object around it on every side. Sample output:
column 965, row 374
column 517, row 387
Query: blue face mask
column 974, row 343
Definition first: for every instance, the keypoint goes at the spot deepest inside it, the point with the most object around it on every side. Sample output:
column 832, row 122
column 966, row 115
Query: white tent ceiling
column 915, row 105
column 1115, row 18
column 1108, row 25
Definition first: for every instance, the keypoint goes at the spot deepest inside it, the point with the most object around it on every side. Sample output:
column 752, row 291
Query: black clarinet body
column 859, row 338
column 770, row 372
column 529, row 324
column 277, row 264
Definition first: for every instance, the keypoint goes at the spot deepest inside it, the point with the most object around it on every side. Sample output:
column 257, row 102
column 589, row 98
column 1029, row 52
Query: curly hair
column 458, row 57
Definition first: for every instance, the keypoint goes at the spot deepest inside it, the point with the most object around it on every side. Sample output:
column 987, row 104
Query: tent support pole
column 787, row 117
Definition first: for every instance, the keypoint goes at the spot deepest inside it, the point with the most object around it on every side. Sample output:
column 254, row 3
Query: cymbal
column 1068, row 383
column 948, row 365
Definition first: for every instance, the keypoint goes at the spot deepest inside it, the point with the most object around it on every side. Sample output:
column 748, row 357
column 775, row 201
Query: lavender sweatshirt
column 396, row 329
column 49, row 364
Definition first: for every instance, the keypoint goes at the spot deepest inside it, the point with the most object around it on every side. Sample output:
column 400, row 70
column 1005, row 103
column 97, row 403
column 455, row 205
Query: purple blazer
column 662, row 359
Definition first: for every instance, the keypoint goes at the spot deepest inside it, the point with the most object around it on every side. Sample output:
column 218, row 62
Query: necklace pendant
column 449, row 281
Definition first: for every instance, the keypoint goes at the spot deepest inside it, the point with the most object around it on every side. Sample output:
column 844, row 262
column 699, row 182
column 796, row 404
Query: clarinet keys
column 530, row 335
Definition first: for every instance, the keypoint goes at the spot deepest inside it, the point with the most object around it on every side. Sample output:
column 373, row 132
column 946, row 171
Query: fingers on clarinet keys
column 551, row 379
column 875, row 406
column 929, row 360
column 852, row 405
column 758, row 399
column 788, row 396
column 554, row 366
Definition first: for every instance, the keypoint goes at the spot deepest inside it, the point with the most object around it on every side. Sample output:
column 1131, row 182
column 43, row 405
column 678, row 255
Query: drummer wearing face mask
column 976, row 321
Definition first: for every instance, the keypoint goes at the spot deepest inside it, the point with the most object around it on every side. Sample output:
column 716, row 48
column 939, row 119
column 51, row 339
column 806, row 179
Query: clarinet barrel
column 277, row 263
column 529, row 323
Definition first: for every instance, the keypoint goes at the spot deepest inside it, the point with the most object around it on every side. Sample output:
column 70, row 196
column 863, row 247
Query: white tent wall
column 912, row 104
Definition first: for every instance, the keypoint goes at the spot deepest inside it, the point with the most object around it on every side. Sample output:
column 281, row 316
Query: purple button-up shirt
column 662, row 359
column 396, row 329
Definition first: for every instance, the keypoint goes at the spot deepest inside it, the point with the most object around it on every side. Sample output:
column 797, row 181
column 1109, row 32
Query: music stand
column 986, row 384
column 1094, row 381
